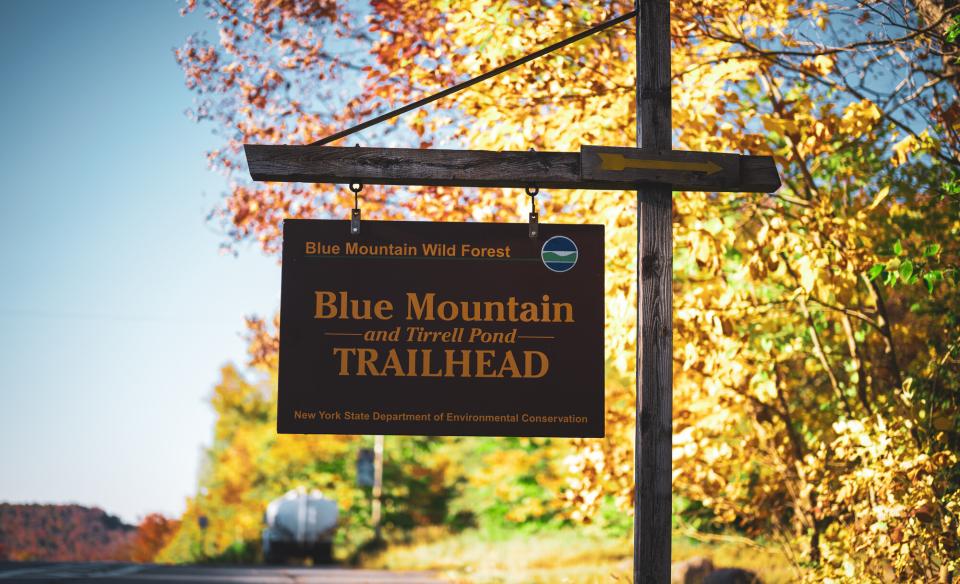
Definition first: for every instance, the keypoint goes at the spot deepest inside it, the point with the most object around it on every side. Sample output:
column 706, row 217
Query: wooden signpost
column 654, row 424
column 653, row 169
column 594, row 167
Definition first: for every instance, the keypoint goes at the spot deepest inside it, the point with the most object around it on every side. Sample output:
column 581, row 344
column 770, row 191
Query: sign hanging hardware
column 355, row 214
column 532, row 192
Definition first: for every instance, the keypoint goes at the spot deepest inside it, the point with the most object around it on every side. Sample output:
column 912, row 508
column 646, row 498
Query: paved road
column 117, row 573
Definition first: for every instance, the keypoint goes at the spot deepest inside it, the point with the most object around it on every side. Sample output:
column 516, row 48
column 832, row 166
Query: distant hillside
column 62, row 532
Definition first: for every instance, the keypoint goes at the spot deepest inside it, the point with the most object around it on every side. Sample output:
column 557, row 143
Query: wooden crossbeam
column 594, row 167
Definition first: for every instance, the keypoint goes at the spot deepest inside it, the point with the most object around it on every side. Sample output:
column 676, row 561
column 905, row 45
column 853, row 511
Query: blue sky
column 116, row 309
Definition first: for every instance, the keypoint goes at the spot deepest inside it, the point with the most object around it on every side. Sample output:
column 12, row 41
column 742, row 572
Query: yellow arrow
column 619, row 162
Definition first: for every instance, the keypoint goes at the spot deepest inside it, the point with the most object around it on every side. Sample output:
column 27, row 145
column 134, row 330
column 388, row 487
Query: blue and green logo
column 559, row 253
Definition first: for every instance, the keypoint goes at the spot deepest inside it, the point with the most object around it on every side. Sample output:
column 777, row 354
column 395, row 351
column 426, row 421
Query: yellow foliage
column 792, row 418
column 859, row 118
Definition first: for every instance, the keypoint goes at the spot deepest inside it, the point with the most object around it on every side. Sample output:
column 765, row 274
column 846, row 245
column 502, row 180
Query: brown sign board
column 465, row 329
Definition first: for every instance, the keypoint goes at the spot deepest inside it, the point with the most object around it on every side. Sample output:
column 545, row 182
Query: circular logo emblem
column 559, row 253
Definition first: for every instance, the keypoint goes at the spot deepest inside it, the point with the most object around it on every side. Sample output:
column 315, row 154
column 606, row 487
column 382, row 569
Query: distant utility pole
column 376, row 513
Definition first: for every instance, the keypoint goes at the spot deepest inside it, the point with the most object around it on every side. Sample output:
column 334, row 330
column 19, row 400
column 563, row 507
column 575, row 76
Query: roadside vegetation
column 816, row 329
column 582, row 555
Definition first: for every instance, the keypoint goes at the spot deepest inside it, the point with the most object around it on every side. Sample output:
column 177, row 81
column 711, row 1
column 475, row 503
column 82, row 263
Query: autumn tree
column 816, row 329
column 65, row 533
column 152, row 535
column 247, row 465
column 456, row 482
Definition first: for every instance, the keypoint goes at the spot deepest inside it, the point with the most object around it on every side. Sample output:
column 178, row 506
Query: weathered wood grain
column 654, row 430
column 481, row 168
column 758, row 174
column 411, row 166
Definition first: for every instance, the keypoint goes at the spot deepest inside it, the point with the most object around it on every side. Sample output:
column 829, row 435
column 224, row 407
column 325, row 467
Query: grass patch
column 572, row 556
column 768, row 562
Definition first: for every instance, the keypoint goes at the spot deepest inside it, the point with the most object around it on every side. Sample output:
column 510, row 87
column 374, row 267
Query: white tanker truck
column 299, row 524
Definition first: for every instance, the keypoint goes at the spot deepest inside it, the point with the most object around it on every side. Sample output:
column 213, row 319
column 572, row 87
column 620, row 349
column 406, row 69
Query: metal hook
column 355, row 214
column 532, row 192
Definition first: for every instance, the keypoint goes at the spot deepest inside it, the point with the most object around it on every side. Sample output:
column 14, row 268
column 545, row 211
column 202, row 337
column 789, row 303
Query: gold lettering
column 365, row 359
column 483, row 363
column 528, row 364
column 417, row 310
column 344, row 354
column 512, row 309
column 326, row 305
column 491, row 307
column 393, row 362
column 426, row 365
column 463, row 362
column 412, row 362
column 568, row 312
column 528, row 312
column 383, row 309
column 509, row 364
column 427, row 307
column 447, row 310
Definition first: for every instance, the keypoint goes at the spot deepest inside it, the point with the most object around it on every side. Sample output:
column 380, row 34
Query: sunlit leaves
column 815, row 329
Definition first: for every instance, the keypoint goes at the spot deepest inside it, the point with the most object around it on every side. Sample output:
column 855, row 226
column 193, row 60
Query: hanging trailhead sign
column 542, row 374
column 441, row 329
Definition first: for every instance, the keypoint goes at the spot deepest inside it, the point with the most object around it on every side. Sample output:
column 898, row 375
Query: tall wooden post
column 654, row 428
